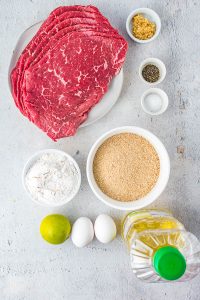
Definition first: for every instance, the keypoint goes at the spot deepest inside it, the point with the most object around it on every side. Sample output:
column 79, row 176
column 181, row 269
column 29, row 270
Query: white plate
column 106, row 103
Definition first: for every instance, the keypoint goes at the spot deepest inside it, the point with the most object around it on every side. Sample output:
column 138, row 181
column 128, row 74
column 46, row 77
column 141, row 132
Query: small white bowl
column 156, row 62
column 157, row 189
column 147, row 105
column 150, row 15
column 35, row 157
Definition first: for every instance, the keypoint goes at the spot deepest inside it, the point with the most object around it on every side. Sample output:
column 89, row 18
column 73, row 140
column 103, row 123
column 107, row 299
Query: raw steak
column 66, row 69
column 51, row 40
column 75, row 93
column 62, row 33
column 41, row 39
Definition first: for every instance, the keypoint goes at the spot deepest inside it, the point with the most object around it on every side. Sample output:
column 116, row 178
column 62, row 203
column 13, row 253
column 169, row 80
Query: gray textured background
column 29, row 267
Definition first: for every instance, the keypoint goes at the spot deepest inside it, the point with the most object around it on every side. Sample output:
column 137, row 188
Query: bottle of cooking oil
column 160, row 248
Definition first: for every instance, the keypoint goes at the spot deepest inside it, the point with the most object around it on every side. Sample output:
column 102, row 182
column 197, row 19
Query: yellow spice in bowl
column 143, row 29
column 126, row 167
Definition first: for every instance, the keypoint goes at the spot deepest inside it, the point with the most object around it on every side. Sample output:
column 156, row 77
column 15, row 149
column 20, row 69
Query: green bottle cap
column 169, row 263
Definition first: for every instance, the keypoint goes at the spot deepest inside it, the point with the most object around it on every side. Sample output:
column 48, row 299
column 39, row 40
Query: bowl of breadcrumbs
column 128, row 168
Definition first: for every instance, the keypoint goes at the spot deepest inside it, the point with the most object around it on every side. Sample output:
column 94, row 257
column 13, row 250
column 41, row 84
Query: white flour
column 53, row 178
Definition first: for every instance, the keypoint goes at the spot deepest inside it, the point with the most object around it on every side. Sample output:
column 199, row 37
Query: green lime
column 55, row 229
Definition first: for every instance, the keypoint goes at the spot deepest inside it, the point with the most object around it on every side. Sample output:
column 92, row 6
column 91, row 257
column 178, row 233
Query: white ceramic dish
column 36, row 156
column 158, row 188
column 150, row 15
column 146, row 106
column 156, row 62
column 106, row 103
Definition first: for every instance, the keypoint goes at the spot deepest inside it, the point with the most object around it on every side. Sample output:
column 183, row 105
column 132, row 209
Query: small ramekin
column 151, row 15
column 160, row 184
column 156, row 62
column 35, row 157
column 164, row 99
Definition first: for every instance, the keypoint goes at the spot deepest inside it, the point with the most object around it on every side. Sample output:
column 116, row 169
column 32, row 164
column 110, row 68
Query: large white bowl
column 159, row 186
column 33, row 159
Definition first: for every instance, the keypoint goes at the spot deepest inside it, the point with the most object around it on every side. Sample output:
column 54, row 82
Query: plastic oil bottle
column 160, row 248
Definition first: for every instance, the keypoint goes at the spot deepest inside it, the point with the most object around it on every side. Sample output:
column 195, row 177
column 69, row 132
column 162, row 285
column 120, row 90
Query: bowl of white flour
column 51, row 178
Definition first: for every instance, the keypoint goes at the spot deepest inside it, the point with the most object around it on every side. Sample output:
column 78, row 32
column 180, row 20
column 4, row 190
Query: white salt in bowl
column 160, row 184
column 154, row 101
column 30, row 163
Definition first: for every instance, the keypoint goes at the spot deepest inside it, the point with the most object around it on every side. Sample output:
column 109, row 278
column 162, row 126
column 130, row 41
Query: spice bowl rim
column 164, row 97
column 30, row 162
column 160, row 184
column 159, row 64
column 153, row 16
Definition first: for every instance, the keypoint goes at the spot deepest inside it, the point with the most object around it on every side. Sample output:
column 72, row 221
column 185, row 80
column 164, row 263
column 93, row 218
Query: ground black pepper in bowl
column 151, row 73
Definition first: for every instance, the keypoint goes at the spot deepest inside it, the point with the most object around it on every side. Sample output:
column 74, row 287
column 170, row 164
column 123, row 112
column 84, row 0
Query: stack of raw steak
column 66, row 69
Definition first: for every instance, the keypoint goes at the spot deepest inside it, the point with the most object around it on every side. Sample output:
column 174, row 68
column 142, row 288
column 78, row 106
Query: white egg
column 105, row 228
column 82, row 232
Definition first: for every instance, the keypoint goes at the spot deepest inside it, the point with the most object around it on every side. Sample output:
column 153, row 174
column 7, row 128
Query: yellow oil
column 161, row 225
